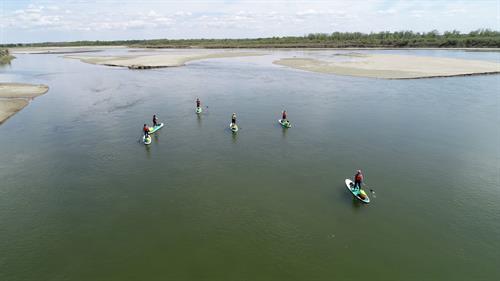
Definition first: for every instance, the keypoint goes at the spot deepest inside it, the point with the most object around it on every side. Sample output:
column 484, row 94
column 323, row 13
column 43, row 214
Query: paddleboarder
column 358, row 179
column 146, row 130
column 233, row 119
column 283, row 116
column 198, row 103
column 155, row 121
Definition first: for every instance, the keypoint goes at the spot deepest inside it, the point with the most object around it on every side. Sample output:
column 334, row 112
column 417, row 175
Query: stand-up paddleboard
column 146, row 140
column 155, row 128
column 233, row 127
column 357, row 193
column 198, row 110
column 285, row 124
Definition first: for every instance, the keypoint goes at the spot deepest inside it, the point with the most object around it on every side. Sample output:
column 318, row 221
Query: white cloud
column 417, row 13
column 308, row 12
column 387, row 12
column 183, row 14
column 45, row 20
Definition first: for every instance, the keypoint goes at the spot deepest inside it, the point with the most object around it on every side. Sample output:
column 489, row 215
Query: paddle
column 371, row 190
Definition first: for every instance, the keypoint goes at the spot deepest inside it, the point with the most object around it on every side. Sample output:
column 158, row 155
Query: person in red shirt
column 283, row 116
column 358, row 179
column 146, row 130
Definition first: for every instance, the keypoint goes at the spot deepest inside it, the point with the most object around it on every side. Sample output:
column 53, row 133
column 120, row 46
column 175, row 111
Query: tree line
column 481, row 38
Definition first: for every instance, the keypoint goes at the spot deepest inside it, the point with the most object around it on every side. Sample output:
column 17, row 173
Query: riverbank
column 158, row 61
column 393, row 66
column 61, row 50
column 5, row 56
column 481, row 38
column 16, row 96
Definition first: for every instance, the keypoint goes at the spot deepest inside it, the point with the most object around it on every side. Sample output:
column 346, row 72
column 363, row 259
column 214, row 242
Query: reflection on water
column 234, row 135
column 284, row 131
column 198, row 119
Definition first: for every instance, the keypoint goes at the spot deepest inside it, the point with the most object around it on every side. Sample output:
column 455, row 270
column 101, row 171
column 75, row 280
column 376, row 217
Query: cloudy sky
column 68, row 20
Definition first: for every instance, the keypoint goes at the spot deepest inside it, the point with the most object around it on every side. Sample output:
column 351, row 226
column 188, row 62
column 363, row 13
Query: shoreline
column 157, row 61
column 5, row 56
column 71, row 49
column 393, row 66
column 60, row 50
column 16, row 96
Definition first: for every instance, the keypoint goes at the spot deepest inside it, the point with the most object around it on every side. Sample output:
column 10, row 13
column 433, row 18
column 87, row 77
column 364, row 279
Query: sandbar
column 60, row 50
column 159, row 60
column 15, row 96
column 394, row 66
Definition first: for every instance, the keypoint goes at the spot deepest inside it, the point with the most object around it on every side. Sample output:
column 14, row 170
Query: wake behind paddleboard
column 155, row 128
column 356, row 193
column 285, row 124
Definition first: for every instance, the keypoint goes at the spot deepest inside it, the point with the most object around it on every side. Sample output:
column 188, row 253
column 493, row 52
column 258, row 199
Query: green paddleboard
column 357, row 192
column 155, row 128
column 285, row 124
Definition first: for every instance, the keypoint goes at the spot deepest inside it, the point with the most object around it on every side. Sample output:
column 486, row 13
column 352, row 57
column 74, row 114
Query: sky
column 70, row 20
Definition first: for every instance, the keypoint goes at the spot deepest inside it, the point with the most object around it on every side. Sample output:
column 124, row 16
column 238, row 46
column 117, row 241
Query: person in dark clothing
column 155, row 121
column 283, row 116
column 198, row 102
column 233, row 119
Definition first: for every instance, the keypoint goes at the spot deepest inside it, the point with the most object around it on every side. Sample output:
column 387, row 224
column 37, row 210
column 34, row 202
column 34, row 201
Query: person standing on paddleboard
column 283, row 116
column 146, row 130
column 358, row 179
column 155, row 121
column 198, row 103
column 233, row 119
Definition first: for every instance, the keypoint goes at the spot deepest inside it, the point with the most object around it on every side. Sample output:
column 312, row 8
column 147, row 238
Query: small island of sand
column 61, row 50
column 15, row 96
column 394, row 66
column 158, row 61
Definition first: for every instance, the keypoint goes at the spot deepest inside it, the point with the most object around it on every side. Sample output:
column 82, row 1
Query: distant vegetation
column 5, row 56
column 482, row 38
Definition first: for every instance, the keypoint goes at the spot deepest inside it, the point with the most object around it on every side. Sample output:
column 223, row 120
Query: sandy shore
column 60, row 50
column 15, row 96
column 160, row 60
column 394, row 66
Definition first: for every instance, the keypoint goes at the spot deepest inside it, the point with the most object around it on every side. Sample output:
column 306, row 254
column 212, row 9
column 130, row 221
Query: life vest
column 358, row 177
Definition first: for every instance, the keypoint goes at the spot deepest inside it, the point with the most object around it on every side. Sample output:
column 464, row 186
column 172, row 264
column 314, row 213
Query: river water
column 81, row 198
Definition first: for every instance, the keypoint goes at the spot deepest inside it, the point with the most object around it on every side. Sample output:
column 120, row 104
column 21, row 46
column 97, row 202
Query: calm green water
column 82, row 199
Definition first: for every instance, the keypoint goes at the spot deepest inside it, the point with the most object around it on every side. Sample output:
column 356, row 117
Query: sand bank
column 394, row 66
column 60, row 50
column 5, row 56
column 157, row 61
column 15, row 96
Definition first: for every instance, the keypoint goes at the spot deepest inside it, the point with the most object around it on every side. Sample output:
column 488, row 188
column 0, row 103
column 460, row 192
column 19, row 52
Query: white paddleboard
column 233, row 127
column 147, row 140
column 356, row 193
